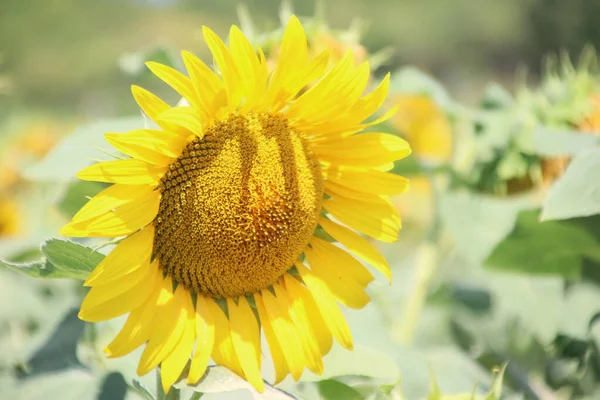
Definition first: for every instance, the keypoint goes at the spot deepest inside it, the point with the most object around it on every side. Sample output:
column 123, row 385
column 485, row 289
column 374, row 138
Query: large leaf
column 70, row 384
column 477, row 223
column 80, row 149
column 62, row 259
column 218, row 379
column 550, row 142
column 59, row 352
column 362, row 361
column 577, row 192
column 535, row 247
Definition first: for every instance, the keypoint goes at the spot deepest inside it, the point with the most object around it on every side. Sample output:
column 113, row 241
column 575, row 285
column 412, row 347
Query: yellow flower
column 222, row 208
column 425, row 126
column 591, row 122
column 9, row 218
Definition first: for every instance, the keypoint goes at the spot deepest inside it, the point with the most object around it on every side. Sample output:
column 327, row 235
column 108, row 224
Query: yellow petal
column 184, row 117
column 124, row 220
column 141, row 322
column 344, row 285
column 223, row 351
column 109, row 199
column 129, row 255
column 319, row 328
column 334, row 256
column 231, row 75
column 357, row 245
column 377, row 220
column 279, row 361
column 109, row 301
column 367, row 181
column 176, row 80
column 174, row 363
column 364, row 150
column 206, row 83
column 245, row 336
column 128, row 172
column 331, row 313
column 303, row 327
column 205, row 332
column 167, row 332
column 293, row 57
column 277, row 312
column 155, row 147
column 153, row 106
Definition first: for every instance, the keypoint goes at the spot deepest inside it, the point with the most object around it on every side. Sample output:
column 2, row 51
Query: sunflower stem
column 425, row 267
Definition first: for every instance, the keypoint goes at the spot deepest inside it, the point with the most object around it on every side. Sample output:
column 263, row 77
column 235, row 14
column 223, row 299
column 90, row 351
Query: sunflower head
column 219, row 206
column 425, row 125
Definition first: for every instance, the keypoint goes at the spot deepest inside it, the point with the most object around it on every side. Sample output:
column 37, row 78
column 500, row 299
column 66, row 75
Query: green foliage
column 543, row 248
column 61, row 259
column 577, row 192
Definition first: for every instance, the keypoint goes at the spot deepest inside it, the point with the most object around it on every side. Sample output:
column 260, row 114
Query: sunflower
column 223, row 212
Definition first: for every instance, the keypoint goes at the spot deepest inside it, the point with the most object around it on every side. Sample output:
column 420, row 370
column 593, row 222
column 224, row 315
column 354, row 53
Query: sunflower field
column 276, row 199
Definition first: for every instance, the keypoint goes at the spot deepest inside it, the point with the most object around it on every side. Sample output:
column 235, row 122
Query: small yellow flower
column 9, row 218
column 425, row 126
column 221, row 208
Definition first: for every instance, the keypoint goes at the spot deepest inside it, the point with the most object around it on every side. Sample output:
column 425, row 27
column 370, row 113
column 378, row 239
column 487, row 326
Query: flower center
column 238, row 206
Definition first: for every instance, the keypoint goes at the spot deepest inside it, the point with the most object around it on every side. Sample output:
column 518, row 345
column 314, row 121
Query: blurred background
column 500, row 102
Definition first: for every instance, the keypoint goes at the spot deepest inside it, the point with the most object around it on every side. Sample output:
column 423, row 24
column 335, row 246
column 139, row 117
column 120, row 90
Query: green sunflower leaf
column 535, row 247
column 219, row 379
column 550, row 142
column 577, row 192
column 331, row 389
column 62, row 259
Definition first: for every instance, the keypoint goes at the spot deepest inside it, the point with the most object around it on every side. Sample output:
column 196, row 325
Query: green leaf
column 73, row 259
column 62, row 259
column 71, row 384
column 477, row 223
column 535, row 247
column 140, row 389
column 362, row 361
column 58, row 352
column 551, row 142
column 218, row 379
column 577, row 192
column 113, row 387
column 331, row 389
column 79, row 149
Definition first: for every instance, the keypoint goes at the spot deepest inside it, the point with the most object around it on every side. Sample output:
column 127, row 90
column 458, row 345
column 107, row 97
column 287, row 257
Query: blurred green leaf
column 80, row 149
column 362, row 361
column 113, row 387
column 331, row 389
column 577, row 192
column 59, row 351
column 551, row 142
column 218, row 379
column 477, row 222
column 140, row 389
column 535, row 247
column 62, row 259
column 70, row 384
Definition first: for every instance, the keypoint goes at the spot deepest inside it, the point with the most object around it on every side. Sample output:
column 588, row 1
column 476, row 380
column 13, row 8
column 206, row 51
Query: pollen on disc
column 238, row 206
